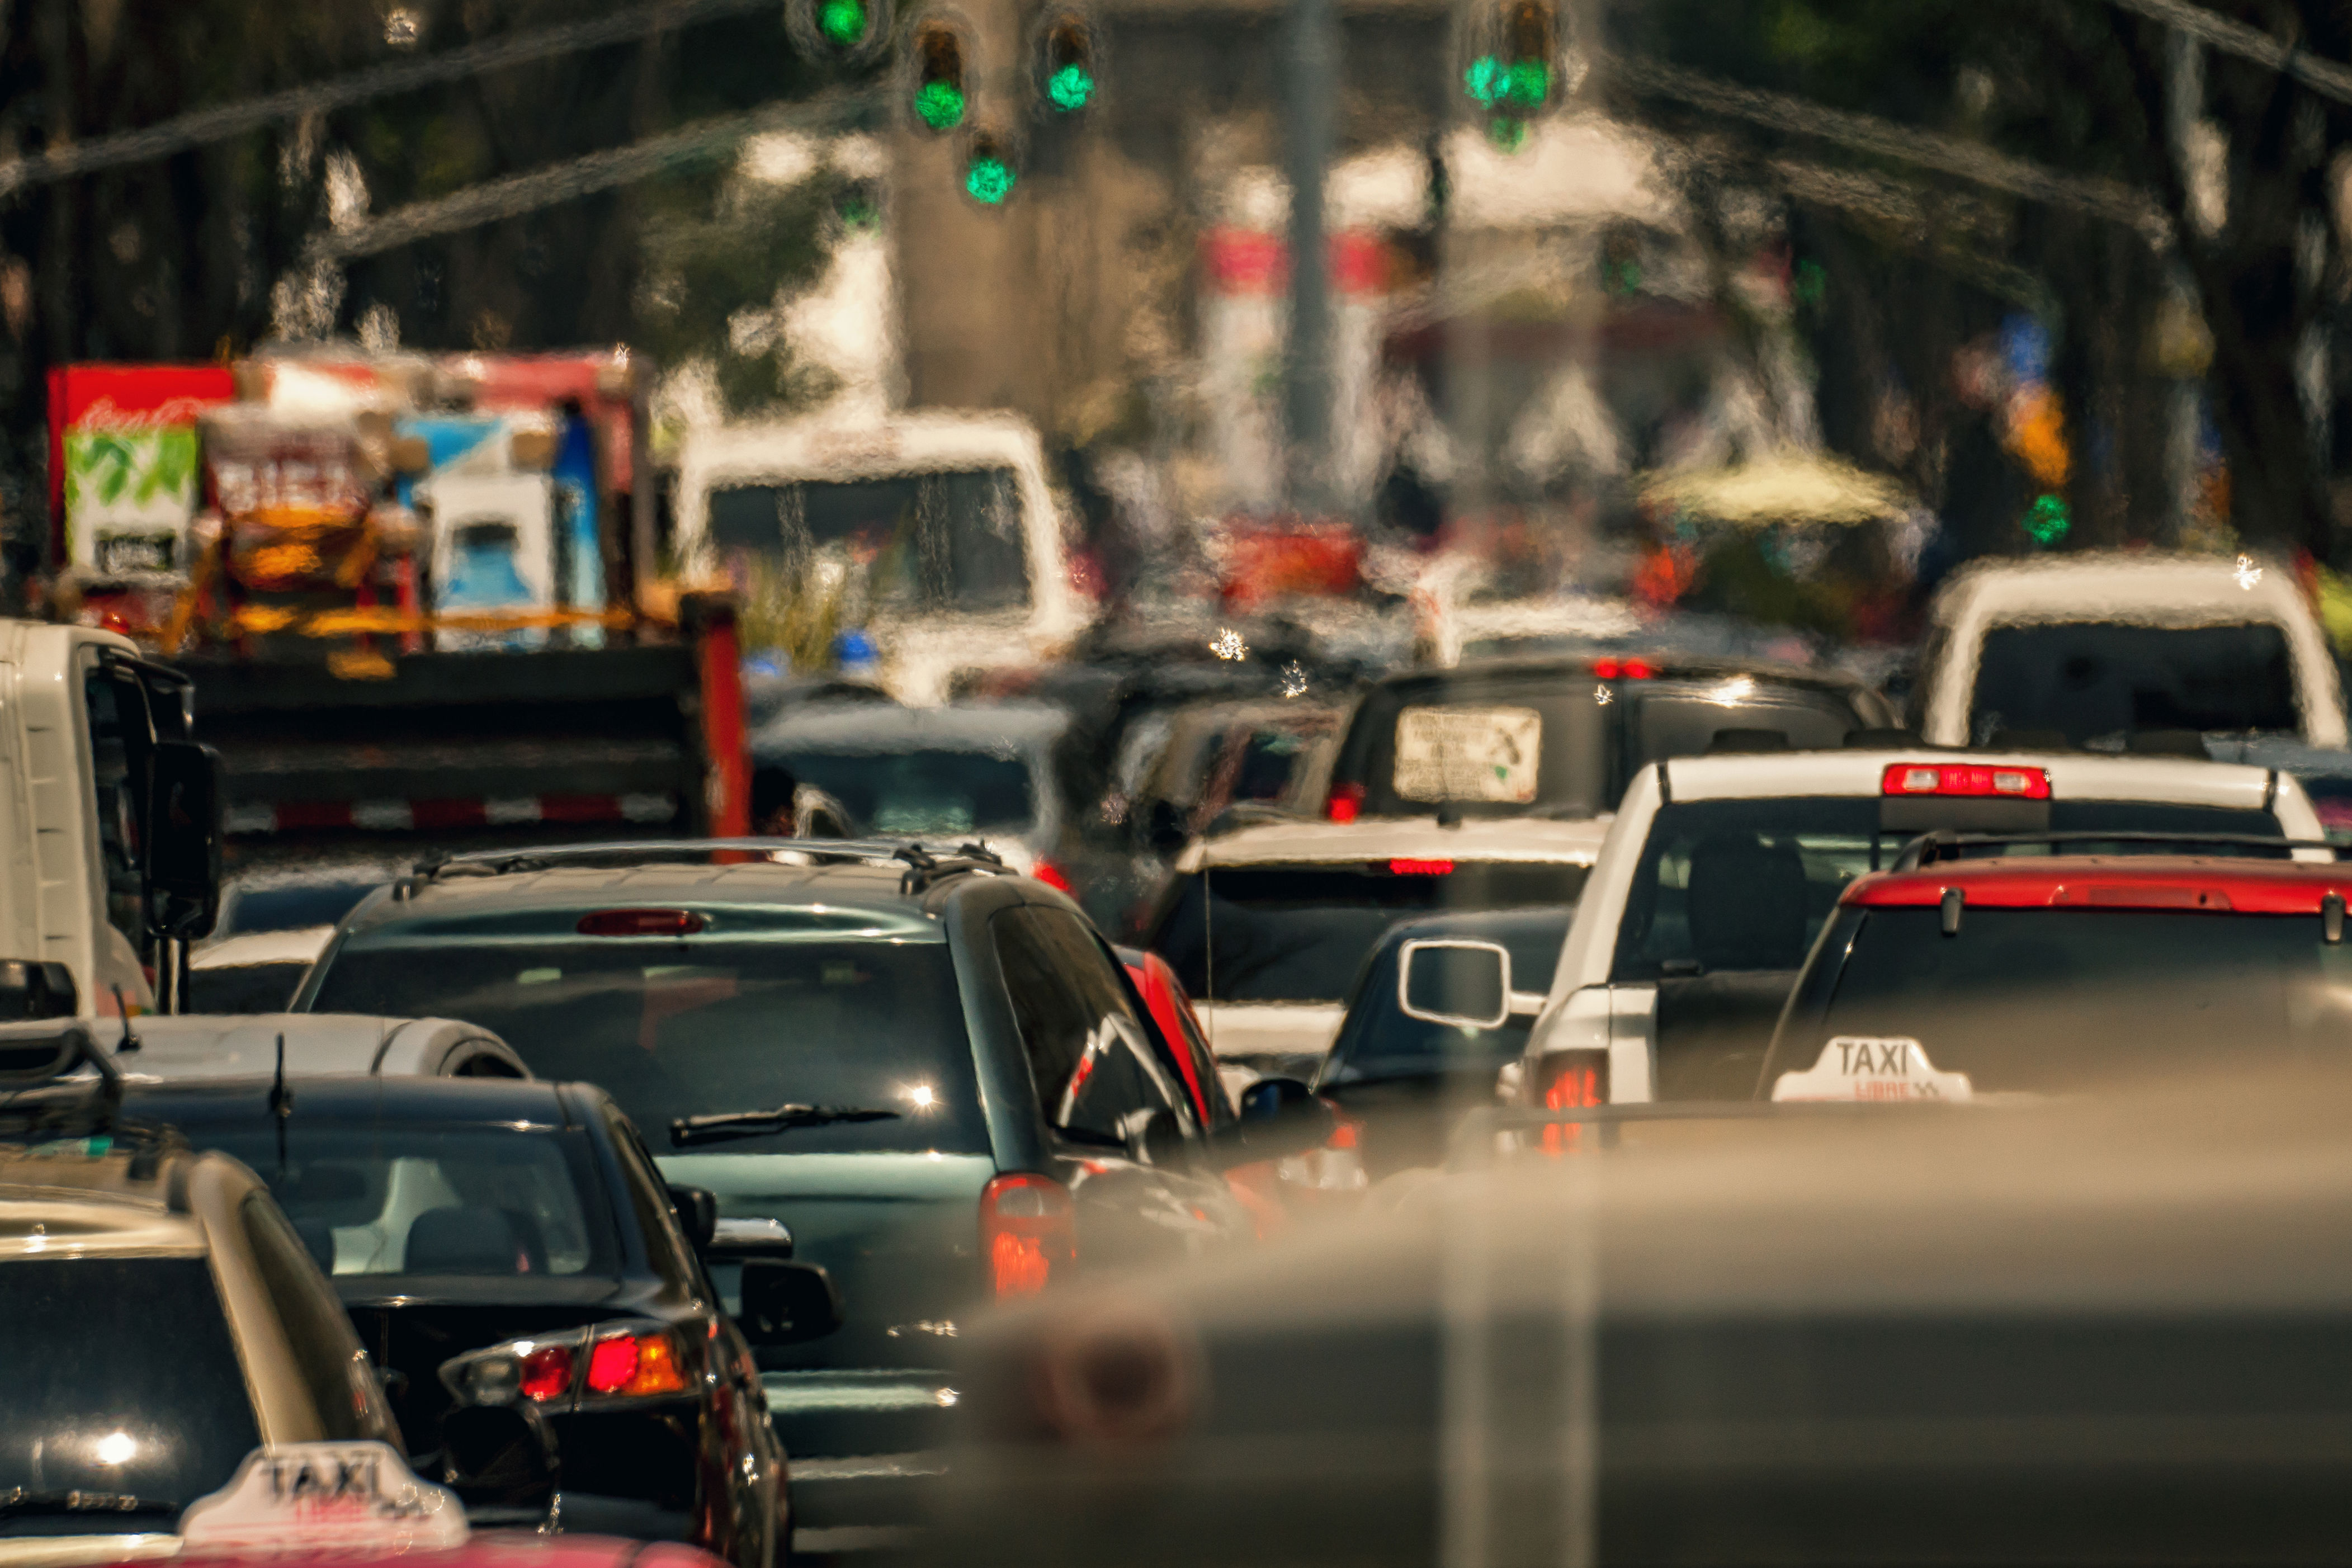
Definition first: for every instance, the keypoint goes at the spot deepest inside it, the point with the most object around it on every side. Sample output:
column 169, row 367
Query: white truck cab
column 948, row 517
column 1718, row 872
column 2091, row 649
column 105, row 807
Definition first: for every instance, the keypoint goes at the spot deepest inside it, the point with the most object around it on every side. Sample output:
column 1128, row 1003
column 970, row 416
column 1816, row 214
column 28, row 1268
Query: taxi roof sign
column 301, row 1496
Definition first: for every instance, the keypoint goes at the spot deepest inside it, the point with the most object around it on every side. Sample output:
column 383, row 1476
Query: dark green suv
column 923, row 1072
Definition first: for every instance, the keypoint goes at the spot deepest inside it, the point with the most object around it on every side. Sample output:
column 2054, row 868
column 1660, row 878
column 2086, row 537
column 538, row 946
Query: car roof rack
column 1944, row 844
column 44, row 1098
column 926, row 865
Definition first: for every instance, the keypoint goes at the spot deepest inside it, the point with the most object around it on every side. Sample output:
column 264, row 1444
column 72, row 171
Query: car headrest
column 457, row 1240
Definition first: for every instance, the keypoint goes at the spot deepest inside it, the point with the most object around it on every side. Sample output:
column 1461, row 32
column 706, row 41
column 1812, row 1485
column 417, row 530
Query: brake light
column 547, row 1372
column 1622, row 669
column 1345, row 802
column 1420, row 868
column 1964, row 779
column 634, row 1364
column 640, row 922
column 1046, row 871
column 1572, row 1081
column 1028, row 1226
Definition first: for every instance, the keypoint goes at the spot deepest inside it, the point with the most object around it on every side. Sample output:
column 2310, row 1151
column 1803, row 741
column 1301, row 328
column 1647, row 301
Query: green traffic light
column 2048, row 522
column 843, row 21
column 1528, row 83
column 939, row 105
column 1507, row 131
column 1485, row 79
column 989, row 180
column 1070, row 88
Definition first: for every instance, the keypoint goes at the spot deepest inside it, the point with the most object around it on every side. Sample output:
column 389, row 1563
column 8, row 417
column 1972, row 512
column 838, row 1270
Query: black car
column 510, row 1245
column 1564, row 736
column 932, row 1071
column 1445, row 1004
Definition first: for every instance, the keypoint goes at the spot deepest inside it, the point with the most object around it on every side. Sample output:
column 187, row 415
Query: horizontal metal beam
column 2325, row 78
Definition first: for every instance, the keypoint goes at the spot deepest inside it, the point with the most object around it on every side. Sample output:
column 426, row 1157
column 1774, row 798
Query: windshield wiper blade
column 18, row 1503
column 691, row 1130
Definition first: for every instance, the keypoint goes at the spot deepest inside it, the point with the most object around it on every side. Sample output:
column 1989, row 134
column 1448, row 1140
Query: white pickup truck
column 110, row 824
column 1718, row 872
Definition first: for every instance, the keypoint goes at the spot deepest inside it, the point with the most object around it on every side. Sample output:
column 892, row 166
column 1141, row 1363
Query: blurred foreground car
column 928, row 1070
column 2062, row 971
column 1269, row 927
column 175, row 1049
column 2107, row 1330
column 1563, row 737
column 510, row 1248
column 1719, row 873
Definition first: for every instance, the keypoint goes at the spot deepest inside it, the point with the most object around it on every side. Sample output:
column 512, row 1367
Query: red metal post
column 725, row 746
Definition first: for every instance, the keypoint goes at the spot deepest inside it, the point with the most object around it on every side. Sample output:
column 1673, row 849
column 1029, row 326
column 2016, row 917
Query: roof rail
column 925, row 864
column 1944, row 844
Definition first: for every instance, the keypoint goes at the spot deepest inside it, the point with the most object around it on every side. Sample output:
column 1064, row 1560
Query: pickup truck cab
column 1719, row 872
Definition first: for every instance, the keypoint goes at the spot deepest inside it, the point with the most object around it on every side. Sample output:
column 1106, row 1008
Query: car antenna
column 130, row 1042
column 281, row 1106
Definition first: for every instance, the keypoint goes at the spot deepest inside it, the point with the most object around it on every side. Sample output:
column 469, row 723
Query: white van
column 949, row 516
column 2092, row 650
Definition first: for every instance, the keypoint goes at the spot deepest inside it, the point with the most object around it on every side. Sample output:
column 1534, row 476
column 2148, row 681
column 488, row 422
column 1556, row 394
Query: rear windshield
column 677, row 1029
column 1380, row 1039
column 2096, row 683
column 293, row 906
column 1301, row 933
column 94, row 1394
column 1481, row 747
column 2047, row 999
column 926, row 792
column 1681, row 719
column 946, row 540
column 393, row 1197
column 1745, row 885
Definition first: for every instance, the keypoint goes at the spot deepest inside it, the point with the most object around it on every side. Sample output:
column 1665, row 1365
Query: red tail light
column 640, row 922
column 1622, row 669
column 1572, row 1080
column 547, row 1372
column 1420, row 868
column 1345, row 802
column 1028, row 1228
column 1046, row 871
column 634, row 1364
column 626, row 1358
column 1964, row 779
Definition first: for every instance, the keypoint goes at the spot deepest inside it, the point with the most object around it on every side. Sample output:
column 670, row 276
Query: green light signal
column 843, row 21
column 1486, row 79
column 989, row 180
column 1507, row 131
column 939, row 105
column 2049, row 520
column 1528, row 83
column 1070, row 88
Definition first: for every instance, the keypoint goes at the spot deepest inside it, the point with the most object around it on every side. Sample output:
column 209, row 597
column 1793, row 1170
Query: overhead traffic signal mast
column 1068, row 67
column 1512, row 80
column 939, row 101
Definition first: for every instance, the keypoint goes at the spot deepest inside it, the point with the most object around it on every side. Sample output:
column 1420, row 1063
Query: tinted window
column 1379, row 1038
column 1683, row 722
column 2044, row 999
column 244, row 987
column 922, row 792
column 1301, row 933
column 692, row 1029
column 1484, row 746
column 293, row 906
column 948, row 541
column 2096, row 683
column 85, row 1370
column 1088, row 1051
column 118, row 745
column 397, row 1197
column 326, row 1353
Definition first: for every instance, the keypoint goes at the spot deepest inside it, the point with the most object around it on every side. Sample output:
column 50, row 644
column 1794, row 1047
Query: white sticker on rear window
column 1872, row 1067
column 1469, row 753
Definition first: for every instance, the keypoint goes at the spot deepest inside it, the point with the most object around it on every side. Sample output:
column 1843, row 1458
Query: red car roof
column 2128, row 881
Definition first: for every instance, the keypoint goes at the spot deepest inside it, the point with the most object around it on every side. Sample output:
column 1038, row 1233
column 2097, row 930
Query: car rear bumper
column 862, row 1444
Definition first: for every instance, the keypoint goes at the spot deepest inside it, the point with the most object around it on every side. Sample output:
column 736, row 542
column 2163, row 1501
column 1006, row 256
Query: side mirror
column 34, row 990
column 1279, row 1117
column 496, row 1455
column 1464, row 983
column 184, row 839
column 698, row 1213
column 1161, row 1142
column 787, row 1303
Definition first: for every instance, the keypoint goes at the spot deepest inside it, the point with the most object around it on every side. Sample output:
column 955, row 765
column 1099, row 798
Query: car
column 183, row 1047
column 1268, row 927
column 1223, row 755
column 257, row 971
column 1720, row 872
column 510, row 1245
column 930, row 1069
column 1564, row 736
column 2114, row 650
column 1443, row 1007
column 2065, row 969
column 2107, row 1328
column 165, row 1318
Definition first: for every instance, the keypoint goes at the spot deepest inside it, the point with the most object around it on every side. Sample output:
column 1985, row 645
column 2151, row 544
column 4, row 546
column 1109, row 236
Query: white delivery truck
column 936, row 531
column 109, row 822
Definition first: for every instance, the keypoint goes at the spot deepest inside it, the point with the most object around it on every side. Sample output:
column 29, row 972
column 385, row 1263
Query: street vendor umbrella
column 1792, row 488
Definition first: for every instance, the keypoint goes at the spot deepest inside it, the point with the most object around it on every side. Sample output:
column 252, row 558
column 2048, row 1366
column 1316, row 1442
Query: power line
column 2323, row 77
column 496, row 199
column 218, row 124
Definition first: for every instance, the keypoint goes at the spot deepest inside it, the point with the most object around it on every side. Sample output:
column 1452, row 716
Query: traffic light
column 938, row 89
column 1510, row 76
column 839, row 30
column 1067, row 67
column 988, row 172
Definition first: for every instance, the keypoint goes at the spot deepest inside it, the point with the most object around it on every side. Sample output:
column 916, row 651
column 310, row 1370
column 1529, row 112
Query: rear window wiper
column 687, row 1131
column 18, row 1503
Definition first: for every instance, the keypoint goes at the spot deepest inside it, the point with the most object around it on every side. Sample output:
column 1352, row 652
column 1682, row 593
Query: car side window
column 325, row 1349
column 1089, row 1053
column 672, row 1255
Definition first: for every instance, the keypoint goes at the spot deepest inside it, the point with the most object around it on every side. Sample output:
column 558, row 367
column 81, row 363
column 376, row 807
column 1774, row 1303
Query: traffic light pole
column 1310, row 86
